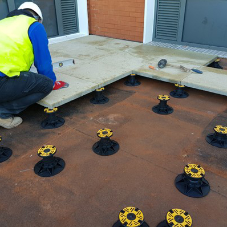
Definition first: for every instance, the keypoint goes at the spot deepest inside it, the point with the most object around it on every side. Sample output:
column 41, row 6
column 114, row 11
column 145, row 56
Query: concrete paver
column 212, row 79
column 100, row 61
column 174, row 58
column 76, row 89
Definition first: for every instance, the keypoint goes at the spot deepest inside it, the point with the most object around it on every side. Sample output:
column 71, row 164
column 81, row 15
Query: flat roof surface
column 92, row 189
column 100, row 61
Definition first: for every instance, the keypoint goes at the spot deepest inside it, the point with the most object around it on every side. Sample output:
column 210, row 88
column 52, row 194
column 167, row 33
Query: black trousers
column 17, row 93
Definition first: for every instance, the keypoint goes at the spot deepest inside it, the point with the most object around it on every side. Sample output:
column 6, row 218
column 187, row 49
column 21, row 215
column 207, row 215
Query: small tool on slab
column 163, row 62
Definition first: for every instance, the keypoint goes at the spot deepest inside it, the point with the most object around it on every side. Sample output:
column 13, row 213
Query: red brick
column 137, row 14
column 121, row 19
column 140, row 20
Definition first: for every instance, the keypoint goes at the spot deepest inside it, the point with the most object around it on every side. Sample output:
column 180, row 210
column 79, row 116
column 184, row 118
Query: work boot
column 11, row 122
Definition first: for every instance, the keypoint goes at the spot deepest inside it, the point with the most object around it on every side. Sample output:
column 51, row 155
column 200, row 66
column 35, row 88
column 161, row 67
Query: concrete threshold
column 100, row 61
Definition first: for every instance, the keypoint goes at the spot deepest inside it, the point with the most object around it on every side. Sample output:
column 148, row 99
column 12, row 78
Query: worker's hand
column 60, row 84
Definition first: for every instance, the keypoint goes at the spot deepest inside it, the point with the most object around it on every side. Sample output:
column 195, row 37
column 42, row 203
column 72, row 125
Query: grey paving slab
column 102, row 72
column 212, row 80
column 167, row 74
column 100, row 61
column 77, row 88
column 153, row 54
column 175, row 58
column 91, row 48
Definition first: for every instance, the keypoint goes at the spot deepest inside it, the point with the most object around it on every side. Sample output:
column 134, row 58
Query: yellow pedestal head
column 178, row 218
column 131, row 217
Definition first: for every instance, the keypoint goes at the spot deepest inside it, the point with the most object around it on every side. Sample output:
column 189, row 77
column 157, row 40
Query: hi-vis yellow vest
column 16, row 51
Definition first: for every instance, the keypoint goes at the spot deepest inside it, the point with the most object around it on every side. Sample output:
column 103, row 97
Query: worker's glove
column 60, row 84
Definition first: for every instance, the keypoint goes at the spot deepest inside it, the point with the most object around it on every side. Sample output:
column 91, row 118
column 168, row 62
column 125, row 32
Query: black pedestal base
column 106, row 147
column 5, row 154
column 132, row 81
column 162, row 110
column 215, row 65
column 217, row 140
column 163, row 224
column 52, row 122
column 179, row 93
column 49, row 168
column 192, row 188
column 99, row 100
column 118, row 224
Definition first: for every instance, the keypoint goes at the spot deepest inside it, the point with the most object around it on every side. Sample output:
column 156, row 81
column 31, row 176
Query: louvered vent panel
column 69, row 18
column 168, row 14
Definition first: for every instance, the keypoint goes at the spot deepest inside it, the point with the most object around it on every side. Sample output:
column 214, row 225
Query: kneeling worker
column 23, row 41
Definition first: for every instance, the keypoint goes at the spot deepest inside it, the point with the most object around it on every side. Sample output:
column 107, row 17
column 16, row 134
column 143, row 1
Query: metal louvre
column 167, row 21
column 69, row 17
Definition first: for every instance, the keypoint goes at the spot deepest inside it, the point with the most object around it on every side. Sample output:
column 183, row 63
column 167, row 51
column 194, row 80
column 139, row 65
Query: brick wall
column 121, row 19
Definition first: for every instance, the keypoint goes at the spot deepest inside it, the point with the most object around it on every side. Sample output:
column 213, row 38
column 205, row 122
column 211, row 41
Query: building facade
column 61, row 17
column 121, row 19
column 201, row 23
column 191, row 22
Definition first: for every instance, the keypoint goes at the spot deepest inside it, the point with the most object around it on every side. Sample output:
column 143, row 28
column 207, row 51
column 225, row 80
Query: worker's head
column 34, row 9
